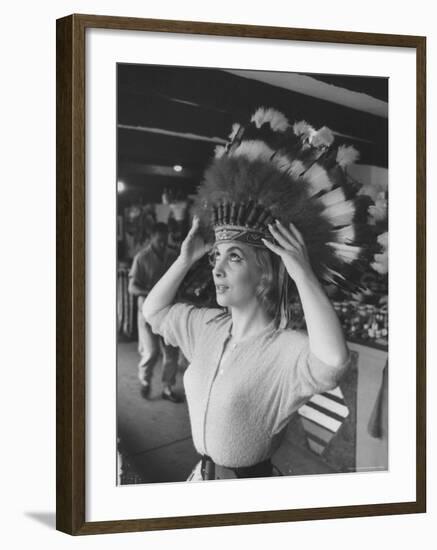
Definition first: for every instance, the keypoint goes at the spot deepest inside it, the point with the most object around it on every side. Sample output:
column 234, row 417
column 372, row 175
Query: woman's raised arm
column 325, row 333
column 164, row 291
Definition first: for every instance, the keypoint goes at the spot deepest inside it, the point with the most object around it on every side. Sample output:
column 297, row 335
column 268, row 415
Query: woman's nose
column 219, row 267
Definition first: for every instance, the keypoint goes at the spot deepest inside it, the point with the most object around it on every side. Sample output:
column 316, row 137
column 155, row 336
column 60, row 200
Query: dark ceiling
column 166, row 115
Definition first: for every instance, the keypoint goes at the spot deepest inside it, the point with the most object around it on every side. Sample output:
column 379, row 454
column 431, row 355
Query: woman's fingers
column 194, row 227
column 273, row 247
column 297, row 234
column 287, row 234
column 282, row 240
column 195, row 223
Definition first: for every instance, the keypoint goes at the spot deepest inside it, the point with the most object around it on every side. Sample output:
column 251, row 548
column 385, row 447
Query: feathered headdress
column 270, row 169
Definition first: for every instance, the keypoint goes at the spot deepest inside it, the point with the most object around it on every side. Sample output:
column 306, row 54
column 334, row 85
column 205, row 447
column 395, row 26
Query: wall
column 28, row 230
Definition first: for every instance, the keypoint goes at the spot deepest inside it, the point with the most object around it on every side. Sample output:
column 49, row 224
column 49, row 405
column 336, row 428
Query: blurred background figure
column 148, row 266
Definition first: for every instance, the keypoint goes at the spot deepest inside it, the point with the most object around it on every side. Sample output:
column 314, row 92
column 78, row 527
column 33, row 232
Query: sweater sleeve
column 301, row 375
column 316, row 376
column 181, row 325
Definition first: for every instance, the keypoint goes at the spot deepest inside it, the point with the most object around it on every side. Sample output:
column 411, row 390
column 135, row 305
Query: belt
column 211, row 470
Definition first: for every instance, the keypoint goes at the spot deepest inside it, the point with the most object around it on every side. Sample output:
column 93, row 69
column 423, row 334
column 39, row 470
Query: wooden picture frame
column 71, row 273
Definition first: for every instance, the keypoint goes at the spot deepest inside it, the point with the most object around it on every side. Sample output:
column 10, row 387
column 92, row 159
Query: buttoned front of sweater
column 239, row 407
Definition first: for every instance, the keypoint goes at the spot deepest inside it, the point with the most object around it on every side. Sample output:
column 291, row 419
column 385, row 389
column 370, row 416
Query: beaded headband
column 242, row 222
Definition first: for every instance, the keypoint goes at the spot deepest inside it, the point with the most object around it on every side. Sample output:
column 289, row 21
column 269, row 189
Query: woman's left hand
column 291, row 248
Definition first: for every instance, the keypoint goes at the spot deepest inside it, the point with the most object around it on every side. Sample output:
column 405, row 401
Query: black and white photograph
column 221, row 213
column 252, row 274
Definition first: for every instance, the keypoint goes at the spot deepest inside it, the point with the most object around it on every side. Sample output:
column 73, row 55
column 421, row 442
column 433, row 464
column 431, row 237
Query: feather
column 219, row 151
column 332, row 273
column 235, row 128
column 303, row 129
column 322, row 138
column 278, row 122
column 283, row 163
column 378, row 211
column 327, row 278
column 383, row 240
column 253, row 150
column 345, row 252
column 297, row 168
column 332, row 197
column 340, row 214
column 380, row 263
column 318, row 179
column 345, row 234
column 347, row 154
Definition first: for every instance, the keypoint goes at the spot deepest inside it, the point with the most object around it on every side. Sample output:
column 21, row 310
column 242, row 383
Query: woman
column 246, row 377
column 249, row 372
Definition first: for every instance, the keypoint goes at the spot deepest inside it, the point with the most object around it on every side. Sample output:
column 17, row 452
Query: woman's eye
column 214, row 257
column 234, row 257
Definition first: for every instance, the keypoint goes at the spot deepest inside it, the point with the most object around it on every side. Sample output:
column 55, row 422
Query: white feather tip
column 345, row 235
column 347, row 154
column 278, row 121
column 253, row 150
column 317, row 179
column 235, row 128
column 332, row 197
column 322, row 138
column 341, row 213
column 219, row 151
column 345, row 252
column 303, row 129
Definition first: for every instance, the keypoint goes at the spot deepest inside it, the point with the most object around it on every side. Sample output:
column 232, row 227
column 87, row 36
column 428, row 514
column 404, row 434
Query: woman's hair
column 268, row 289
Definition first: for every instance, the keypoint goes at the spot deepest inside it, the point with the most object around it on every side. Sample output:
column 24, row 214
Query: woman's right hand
column 193, row 247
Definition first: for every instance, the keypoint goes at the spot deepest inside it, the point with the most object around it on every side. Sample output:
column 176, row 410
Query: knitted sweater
column 238, row 410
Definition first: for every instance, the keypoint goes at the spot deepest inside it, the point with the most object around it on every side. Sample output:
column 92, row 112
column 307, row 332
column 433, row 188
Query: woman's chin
column 221, row 300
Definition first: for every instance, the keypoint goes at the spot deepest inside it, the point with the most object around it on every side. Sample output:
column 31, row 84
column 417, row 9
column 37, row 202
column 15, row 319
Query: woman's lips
column 220, row 289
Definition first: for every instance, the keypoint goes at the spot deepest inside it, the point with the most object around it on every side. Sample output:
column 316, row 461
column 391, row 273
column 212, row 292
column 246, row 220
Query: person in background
column 148, row 266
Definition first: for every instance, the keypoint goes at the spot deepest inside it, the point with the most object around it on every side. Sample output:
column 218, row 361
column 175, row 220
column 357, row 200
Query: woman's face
column 235, row 272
